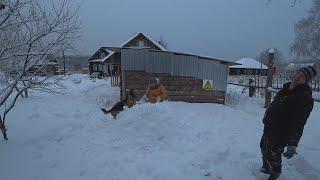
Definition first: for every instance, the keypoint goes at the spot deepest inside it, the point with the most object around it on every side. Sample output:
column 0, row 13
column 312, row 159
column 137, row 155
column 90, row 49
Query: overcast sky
column 229, row 29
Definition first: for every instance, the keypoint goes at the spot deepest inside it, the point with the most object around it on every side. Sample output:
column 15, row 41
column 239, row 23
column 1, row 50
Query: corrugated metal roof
column 227, row 62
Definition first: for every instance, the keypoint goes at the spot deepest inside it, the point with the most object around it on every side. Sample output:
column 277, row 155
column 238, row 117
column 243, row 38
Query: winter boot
column 273, row 176
column 265, row 168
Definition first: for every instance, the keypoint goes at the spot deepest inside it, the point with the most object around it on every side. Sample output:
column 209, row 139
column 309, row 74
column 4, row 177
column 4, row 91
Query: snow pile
column 67, row 137
column 249, row 63
column 169, row 141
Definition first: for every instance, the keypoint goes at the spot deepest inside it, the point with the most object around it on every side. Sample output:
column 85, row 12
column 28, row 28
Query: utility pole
column 269, row 78
column 260, row 66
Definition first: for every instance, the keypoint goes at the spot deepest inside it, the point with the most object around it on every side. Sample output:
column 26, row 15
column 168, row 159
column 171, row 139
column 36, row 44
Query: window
column 103, row 55
column 231, row 72
column 100, row 67
column 140, row 43
column 94, row 67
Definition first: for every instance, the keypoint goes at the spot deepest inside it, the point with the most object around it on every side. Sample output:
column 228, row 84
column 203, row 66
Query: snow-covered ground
column 67, row 137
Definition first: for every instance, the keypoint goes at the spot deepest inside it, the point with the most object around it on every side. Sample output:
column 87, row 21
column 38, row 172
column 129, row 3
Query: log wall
column 187, row 89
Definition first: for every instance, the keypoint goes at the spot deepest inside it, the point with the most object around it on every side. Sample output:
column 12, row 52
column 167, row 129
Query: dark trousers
column 271, row 155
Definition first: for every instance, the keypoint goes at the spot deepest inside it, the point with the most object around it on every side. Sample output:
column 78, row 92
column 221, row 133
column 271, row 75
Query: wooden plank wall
column 187, row 89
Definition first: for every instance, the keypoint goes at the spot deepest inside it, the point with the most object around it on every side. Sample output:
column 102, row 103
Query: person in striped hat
column 309, row 73
column 284, row 121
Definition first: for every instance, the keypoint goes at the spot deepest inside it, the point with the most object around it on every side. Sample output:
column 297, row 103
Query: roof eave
column 146, row 36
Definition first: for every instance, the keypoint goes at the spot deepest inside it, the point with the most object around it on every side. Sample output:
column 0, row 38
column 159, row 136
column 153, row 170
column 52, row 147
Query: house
column 248, row 66
column 106, row 61
column 44, row 68
column 187, row 77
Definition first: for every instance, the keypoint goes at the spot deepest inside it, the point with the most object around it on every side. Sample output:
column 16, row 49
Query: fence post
column 269, row 78
column 111, row 80
column 251, row 88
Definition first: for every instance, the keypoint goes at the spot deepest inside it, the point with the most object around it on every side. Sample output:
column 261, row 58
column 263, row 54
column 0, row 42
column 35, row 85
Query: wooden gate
column 116, row 78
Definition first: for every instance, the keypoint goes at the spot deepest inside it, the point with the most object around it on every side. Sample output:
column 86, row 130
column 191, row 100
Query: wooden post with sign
column 269, row 78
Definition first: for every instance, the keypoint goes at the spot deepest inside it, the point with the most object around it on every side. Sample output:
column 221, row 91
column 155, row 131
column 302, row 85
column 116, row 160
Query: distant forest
column 74, row 63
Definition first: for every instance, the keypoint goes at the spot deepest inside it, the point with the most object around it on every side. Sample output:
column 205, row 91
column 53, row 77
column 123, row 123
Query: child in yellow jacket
column 156, row 92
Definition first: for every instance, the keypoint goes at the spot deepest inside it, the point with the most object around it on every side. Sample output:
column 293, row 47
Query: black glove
column 291, row 151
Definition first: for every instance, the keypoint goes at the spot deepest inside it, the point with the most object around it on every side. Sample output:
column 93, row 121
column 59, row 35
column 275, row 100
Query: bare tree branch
column 307, row 34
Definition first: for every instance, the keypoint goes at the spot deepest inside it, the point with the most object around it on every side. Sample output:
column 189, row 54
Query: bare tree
column 279, row 61
column 163, row 42
column 29, row 32
column 293, row 2
column 307, row 34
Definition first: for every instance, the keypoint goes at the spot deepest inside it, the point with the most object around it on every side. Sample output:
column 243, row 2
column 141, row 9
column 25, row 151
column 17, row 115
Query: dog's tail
column 105, row 111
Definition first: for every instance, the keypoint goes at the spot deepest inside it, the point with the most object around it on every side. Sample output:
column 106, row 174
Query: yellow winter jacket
column 156, row 91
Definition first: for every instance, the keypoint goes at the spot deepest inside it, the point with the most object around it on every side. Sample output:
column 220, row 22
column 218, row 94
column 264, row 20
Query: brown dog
column 129, row 101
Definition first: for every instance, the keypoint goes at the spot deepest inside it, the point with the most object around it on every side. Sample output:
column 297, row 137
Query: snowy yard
column 66, row 136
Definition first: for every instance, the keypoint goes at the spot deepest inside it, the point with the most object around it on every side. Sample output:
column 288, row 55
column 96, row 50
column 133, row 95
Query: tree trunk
column 26, row 93
column 3, row 130
column 18, row 92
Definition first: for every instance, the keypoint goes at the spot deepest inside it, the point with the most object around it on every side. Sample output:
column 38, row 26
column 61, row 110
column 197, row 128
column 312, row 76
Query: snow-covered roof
column 153, row 41
column 249, row 63
column 110, row 53
column 96, row 60
column 202, row 57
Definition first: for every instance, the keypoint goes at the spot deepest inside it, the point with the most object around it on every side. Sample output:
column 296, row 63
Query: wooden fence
column 115, row 80
column 259, row 85
column 259, row 82
column 275, row 91
column 278, row 82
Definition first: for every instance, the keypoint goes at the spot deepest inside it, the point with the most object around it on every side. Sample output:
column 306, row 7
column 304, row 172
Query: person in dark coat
column 284, row 121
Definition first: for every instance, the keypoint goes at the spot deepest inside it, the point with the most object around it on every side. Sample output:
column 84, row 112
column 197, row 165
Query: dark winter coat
column 286, row 116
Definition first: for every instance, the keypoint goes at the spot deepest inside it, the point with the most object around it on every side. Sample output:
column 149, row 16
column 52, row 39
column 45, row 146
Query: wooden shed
column 187, row 77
